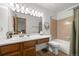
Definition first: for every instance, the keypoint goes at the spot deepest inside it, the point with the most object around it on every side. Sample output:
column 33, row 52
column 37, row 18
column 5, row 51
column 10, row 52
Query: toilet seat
column 53, row 43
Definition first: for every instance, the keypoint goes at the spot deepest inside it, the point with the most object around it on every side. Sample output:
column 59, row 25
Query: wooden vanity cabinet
column 10, row 50
column 26, row 48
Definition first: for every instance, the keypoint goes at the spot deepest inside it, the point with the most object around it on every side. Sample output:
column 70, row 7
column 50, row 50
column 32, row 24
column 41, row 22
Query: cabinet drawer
column 13, row 54
column 9, row 48
column 29, row 52
column 45, row 40
column 29, row 44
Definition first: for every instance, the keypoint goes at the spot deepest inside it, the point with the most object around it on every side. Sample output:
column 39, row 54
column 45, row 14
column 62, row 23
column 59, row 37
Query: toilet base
column 55, row 51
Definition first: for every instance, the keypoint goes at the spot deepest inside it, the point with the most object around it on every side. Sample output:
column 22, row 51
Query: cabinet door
column 29, row 52
column 8, row 49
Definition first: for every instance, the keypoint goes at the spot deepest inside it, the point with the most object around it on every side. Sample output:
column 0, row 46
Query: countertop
column 22, row 39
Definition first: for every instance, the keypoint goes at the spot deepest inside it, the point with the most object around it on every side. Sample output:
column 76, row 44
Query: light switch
column 1, row 29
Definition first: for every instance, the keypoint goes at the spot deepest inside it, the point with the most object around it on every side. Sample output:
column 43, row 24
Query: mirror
column 34, row 24
column 27, row 24
column 19, row 25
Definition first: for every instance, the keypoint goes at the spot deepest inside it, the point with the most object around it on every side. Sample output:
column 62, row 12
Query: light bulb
column 22, row 9
column 12, row 6
column 29, row 11
column 41, row 14
column 17, row 8
column 13, row 9
column 35, row 13
column 38, row 14
column 26, row 10
column 32, row 12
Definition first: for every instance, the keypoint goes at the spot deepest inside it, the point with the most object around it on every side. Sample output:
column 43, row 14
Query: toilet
column 54, row 46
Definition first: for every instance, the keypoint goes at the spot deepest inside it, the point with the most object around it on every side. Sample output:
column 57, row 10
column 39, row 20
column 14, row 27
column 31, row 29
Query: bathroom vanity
column 22, row 25
column 22, row 46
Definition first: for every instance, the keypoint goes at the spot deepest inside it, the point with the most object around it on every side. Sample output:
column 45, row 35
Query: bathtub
column 64, row 45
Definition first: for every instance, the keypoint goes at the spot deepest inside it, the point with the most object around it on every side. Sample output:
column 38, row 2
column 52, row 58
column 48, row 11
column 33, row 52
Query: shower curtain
column 74, row 51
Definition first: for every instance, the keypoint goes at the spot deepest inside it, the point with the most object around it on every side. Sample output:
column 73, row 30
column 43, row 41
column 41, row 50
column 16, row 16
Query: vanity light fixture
column 22, row 9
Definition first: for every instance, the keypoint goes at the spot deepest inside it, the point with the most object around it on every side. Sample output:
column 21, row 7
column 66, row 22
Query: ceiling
column 52, row 7
column 56, row 7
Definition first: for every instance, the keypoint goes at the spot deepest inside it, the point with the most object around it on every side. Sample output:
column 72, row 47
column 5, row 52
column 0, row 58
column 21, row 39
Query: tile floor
column 48, row 53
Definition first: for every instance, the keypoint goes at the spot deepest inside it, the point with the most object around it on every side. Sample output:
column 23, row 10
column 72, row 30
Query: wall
column 3, row 21
column 58, row 28
column 53, row 26
column 63, row 29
